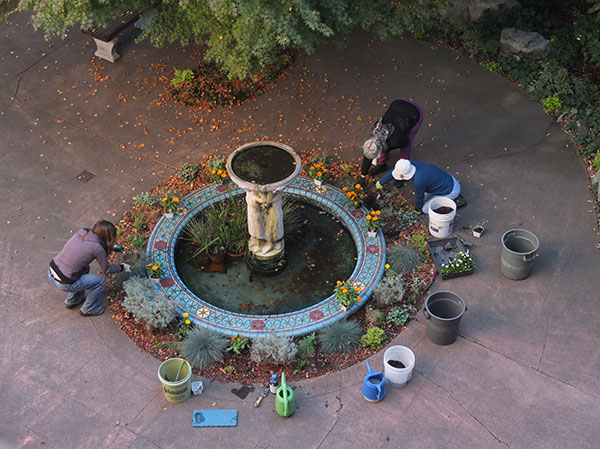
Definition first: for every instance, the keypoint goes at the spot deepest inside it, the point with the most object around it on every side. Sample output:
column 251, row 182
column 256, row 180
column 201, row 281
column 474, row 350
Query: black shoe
column 99, row 312
column 75, row 304
column 460, row 201
column 378, row 169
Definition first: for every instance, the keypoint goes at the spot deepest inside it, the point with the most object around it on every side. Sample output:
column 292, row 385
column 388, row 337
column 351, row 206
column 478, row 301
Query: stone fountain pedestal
column 263, row 170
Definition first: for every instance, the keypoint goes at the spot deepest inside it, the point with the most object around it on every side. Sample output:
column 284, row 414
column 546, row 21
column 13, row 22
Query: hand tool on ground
column 263, row 394
column 465, row 242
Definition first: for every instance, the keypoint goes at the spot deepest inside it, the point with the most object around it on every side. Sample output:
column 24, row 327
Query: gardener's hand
column 126, row 267
column 378, row 185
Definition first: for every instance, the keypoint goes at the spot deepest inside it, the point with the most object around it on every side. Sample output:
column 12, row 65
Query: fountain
column 263, row 170
column 299, row 299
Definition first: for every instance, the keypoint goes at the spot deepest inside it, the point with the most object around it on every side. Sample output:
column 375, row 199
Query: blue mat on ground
column 215, row 418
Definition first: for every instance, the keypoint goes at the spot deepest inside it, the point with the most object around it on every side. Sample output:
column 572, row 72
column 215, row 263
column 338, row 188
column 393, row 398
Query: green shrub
column 373, row 338
column 181, row 76
column 552, row 80
column 306, row 346
column 374, row 317
column 203, row 347
column 523, row 70
column 552, row 104
column 407, row 218
column 402, row 258
column 340, row 336
column 188, row 172
column 587, row 145
column 493, row 66
column 596, row 162
column 273, row 350
column 136, row 241
column 399, row 315
column 388, row 291
column 149, row 306
column 144, row 199
column 420, row 242
column 587, row 32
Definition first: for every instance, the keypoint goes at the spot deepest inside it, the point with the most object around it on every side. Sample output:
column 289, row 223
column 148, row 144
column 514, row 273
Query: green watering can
column 284, row 399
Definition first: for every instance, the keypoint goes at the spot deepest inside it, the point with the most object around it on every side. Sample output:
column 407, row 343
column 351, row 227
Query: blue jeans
column 451, row 195
column 75, row 291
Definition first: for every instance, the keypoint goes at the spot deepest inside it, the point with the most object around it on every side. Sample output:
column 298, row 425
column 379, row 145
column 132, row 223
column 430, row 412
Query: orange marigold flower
column 359, row 299
column 345, row 189
column 223, row 175
column 213, row 172
column 154, row 267
column 356, row 289
column 349, row 194
column 375, row 218
column 175, row 199
column 339, row 282
column 164, row 200
column 312, row 167
column 187, row 321
column 219, row 172
column 149, row 265
column 368, row 217
column 319, row 174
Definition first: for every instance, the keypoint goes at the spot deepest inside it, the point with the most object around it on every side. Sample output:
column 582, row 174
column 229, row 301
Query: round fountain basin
column 368, row 268
column 263, row 164
column 315, row 261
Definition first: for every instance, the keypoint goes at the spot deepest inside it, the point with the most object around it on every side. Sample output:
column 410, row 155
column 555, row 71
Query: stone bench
column 106, row 37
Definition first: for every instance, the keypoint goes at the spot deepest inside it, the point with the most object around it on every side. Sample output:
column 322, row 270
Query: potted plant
column 479, row 228
column 373, row 223
column 346, row 294
column 170, row 203
column 234, row 233
column 355, row 194
column 218, row 173
column 462, row 264
column 318, row 170
column 154, row 270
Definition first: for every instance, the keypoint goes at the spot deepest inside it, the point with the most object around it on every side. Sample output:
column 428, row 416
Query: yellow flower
column 339, row 282
column 219, row 172
column 154, row 267
column 387, row 266
column 213, row 172
column 164, row 200
column 187, row 321
column 368, row 217
column 378, row 212
column 186, row 314
column 223, row 175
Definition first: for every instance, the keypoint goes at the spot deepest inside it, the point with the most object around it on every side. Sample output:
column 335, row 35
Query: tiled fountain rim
column 367, row 272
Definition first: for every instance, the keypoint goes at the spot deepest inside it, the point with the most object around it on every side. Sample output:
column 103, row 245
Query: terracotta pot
column 217, row 257
column 236, row 256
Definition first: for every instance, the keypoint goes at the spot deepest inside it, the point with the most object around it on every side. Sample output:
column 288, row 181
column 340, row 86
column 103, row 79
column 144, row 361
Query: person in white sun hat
column 429, row 182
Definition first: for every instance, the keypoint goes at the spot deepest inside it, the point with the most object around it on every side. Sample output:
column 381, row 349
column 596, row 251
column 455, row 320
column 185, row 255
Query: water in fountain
column 324, row 253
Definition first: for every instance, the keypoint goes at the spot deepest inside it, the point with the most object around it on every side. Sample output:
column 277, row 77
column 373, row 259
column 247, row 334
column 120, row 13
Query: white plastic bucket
column 398, row 377
column 440, row 225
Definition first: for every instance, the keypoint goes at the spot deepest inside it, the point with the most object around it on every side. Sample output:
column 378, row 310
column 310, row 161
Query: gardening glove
column 378, row 185
column 126, row 267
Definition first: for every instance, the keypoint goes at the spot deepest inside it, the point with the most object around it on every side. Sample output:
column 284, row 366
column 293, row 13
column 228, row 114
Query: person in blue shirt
column 429, row 182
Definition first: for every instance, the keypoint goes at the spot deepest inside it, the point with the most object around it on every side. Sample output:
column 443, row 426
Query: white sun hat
column 403, row 170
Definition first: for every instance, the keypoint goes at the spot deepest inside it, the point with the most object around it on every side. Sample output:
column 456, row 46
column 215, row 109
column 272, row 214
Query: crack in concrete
column 537, row 370
column 467, row 411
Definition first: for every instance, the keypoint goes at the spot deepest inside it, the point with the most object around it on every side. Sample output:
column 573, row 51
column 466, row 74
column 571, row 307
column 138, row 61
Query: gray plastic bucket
column 519, row 250
column 443, row 311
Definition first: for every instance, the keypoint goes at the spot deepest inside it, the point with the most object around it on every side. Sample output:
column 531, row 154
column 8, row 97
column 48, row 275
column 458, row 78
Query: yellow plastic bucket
column 176, row 391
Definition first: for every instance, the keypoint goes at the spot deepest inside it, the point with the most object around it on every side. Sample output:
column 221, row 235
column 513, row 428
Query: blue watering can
column 374, row 385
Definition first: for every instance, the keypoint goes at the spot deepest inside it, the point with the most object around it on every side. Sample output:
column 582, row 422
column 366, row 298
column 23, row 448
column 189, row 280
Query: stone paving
column 80, row 137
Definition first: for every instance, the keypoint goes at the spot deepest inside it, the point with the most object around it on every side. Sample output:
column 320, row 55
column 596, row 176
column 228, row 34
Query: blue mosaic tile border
column 367, row 272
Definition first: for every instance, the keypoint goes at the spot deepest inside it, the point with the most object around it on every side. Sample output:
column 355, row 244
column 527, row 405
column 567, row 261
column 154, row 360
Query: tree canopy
column 241, row 35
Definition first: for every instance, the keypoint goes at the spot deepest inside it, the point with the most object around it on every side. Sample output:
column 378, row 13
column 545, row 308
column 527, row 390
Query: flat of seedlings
column 444, row 250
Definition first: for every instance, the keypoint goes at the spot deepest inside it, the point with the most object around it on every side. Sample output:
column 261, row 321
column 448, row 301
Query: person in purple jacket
column 429, row 182
column 69, row 271
column 395, row 130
